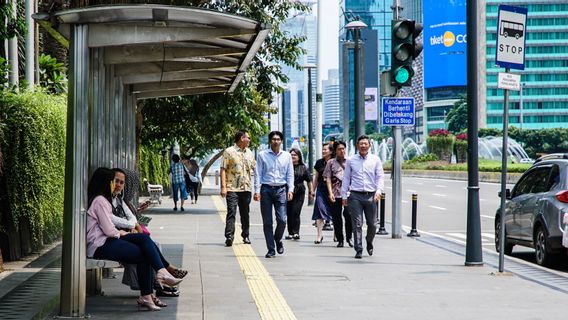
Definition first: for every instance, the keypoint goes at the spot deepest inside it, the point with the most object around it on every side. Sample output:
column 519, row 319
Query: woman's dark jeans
column 134, row 248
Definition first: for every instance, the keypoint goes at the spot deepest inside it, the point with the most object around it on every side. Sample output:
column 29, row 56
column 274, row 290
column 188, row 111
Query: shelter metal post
column 72, row 295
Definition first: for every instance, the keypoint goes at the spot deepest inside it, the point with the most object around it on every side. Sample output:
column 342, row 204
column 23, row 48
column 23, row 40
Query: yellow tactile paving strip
column 269, row 301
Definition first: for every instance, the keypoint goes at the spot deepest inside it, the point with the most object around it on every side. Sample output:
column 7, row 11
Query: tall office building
column 331, row 110
column 543, row 102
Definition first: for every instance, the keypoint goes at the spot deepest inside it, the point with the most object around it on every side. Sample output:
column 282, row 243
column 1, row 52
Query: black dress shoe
column 269, row 255
column 289, row 237
column 229, row 242
column 246, row 240
column 279, row 247
column 296, row 236
column 350, row 242
column 359, row 255
column 340, row 244
column 370, row 248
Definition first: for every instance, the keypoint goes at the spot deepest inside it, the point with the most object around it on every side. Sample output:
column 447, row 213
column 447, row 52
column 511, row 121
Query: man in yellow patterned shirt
column 237, row 167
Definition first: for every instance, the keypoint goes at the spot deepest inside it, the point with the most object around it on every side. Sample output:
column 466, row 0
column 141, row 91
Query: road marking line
column 410, row 190
column 488, row 235
column 268, row 299
column 439, row 195
column 404, row 201
column 486, row 217
column 439, row 208
column 441, row 186
column 482, row 200
column 462, row 236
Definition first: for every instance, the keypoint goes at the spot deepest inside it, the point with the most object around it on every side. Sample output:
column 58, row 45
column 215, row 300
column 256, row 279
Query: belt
column 274, row 187
column 365, row 193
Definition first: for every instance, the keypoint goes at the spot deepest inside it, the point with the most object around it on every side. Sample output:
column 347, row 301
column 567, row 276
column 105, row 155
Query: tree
column 208, row 122
column 457, row 117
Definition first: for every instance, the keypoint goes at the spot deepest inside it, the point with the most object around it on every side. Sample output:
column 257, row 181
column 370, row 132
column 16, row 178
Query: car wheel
column 508, row 246
column 543, row 257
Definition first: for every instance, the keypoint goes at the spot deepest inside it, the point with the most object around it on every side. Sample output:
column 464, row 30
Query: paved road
column 442, row 210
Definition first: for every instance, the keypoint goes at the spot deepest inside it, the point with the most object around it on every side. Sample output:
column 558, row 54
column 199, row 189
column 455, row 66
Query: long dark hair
column 99, row 185
column 299, row 153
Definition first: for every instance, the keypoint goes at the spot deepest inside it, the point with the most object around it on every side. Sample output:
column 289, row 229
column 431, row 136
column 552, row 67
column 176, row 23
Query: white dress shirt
column 363, row 174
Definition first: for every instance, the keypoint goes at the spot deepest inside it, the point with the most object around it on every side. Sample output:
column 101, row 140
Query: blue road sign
column 398, row 112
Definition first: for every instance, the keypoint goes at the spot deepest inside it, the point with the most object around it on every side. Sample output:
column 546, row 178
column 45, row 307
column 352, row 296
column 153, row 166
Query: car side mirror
column 507, row 194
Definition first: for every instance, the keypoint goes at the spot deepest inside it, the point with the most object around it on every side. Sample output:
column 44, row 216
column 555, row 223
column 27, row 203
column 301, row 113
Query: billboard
column 445, row 43
column 371, row 103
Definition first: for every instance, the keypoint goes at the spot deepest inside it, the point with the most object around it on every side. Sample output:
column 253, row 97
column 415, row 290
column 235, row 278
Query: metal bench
column 95, row 270
column 155, row 191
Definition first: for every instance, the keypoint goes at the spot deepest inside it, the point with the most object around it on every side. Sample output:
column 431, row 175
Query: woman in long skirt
column 322, row 209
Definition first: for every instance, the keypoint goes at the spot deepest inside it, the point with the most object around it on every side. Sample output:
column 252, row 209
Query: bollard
column 382, row 230
column 216, row 177
column 413, row 232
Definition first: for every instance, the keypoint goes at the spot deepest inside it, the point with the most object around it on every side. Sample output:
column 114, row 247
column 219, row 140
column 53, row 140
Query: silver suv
column 534, row 210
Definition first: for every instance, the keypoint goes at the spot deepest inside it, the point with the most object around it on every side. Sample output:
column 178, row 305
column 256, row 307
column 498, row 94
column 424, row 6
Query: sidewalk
column 405, row 278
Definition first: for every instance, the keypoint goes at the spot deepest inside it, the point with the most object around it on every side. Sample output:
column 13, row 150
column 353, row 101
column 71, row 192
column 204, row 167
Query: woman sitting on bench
column 105, row 242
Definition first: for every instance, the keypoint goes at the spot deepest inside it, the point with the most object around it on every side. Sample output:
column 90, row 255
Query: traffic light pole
column 310, row 129
column 396, row 225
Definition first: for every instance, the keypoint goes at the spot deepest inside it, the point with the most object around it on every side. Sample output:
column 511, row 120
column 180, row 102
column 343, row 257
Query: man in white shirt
column 274, row 186
column 363, row 183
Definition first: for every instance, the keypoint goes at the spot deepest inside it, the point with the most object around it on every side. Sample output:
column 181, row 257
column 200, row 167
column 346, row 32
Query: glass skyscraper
column 543, row 102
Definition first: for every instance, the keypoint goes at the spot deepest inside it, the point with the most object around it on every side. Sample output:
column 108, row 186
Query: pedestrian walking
column 363, row 183
column 322, row 209
column 194, row 182
column 333, row 175
column 294, row 208
column 237, row 167
column 177, row 170
column 274, row 186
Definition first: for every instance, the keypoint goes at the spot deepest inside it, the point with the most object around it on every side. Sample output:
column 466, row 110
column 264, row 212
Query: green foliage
column 457, row 116
column 461, row 150
column 423, row 158
column 489, row 132
column 34, row 161
column 379, row 137
column 52, row 74
column 4, row 70
column 11, row 27
column 441, row 145
column 535, row 142
column 203, row 123
column 154, row 167
column 484, row 166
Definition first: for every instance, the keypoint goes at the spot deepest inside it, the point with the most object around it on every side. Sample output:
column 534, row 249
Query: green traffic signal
column 401, row 76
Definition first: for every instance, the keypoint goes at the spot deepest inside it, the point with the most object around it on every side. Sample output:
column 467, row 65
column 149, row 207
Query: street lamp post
column 355, row 28
column 309, row 67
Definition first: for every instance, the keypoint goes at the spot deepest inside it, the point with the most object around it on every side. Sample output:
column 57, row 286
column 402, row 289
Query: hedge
column 33, row 125
column 154, row 167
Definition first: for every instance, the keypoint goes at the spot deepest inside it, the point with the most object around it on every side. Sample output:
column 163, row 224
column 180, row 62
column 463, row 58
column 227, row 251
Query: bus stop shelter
column 119, row 55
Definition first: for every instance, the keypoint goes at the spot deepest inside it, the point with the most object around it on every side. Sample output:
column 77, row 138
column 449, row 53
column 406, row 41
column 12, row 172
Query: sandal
column 159, row 302
column 167, row 293
column 179, row 273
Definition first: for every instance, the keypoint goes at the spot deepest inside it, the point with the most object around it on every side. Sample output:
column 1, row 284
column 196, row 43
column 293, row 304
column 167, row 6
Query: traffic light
column 404, row 49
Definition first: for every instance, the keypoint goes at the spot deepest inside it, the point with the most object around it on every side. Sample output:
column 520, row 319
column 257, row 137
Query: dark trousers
column 193, row 190
column 336, row 209
column 359, row 204
column 242, row 200
column 293, row 210
column 273, row 196
column 134, row 248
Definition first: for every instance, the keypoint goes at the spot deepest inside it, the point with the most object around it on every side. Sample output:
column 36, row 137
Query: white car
column 527, row 160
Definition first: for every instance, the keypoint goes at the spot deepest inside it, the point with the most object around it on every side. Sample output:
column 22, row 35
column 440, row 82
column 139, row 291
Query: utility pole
column 319, row 77
column 473, row 251
column 355, row 28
